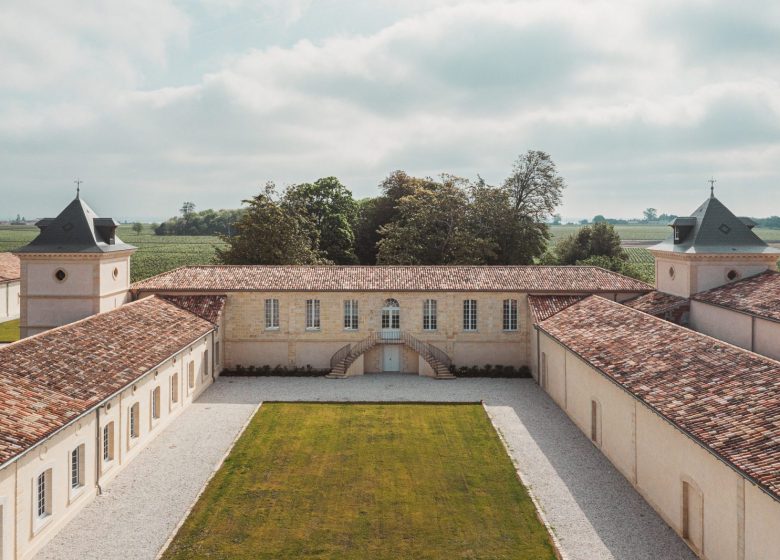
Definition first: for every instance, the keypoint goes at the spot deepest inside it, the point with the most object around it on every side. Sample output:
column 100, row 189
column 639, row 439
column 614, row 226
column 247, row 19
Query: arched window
column 391, row 315
column 391, row 303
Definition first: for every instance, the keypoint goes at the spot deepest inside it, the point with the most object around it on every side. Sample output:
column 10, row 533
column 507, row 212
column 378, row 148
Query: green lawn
column 9, row 331
column 365, row 481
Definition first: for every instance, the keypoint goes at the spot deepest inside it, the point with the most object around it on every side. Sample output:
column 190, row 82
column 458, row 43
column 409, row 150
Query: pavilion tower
column 710, row 248
column 75, row 268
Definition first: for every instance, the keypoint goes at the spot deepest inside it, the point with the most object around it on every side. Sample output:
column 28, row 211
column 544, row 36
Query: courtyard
column 594, row 512
column 365, row 480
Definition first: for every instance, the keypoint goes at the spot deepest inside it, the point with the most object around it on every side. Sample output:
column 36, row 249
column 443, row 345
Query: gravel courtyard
column 593, row 510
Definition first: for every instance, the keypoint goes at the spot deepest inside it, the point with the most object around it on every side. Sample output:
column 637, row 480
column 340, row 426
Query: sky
column 154, row 102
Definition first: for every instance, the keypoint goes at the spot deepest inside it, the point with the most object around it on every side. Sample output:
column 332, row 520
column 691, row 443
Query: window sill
column 41, row 523
column 510, row 331
column 75, row 494
column 313, row 329
column 272, row 329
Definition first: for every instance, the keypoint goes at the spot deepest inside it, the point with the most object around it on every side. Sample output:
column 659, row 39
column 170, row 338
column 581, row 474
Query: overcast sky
column 153, row 102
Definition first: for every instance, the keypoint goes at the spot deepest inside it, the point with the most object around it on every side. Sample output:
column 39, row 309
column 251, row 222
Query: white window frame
column 351, row 315
column 174, row 394
column 133, row 424
column 155, row 405
column 107, row 443
column 470, row 319
column 510, row 319
column 76, row 477
column 42, row 505
column 430, row 315
column 313, row 319
column 206, row 365
column 190, row 376
column 272, row 314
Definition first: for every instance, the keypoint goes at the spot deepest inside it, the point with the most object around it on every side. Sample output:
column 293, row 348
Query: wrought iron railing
column 346, row 355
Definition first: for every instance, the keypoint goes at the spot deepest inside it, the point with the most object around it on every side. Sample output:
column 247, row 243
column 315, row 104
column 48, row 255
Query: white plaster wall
column 766, row 338
column 720, row 323
column 45, row 313
column 54, row 453
column 713, row 275
column 39, row 279
column 762, row 528
column 8, row 505
column 739, row 521
column 617, row 413
column 9, row 301
column 680, row 283
column 665, row 458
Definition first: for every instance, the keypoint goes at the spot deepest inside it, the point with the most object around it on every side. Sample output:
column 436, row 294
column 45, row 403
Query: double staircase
column 438, row 359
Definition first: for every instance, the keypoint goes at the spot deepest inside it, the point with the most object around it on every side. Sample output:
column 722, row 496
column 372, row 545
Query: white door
column 391, row 358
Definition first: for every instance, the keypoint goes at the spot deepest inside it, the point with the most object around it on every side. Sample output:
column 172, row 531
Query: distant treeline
column 206, row 222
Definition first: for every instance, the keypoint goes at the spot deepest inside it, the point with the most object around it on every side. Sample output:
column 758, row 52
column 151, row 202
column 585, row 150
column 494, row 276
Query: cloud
column 621, row 97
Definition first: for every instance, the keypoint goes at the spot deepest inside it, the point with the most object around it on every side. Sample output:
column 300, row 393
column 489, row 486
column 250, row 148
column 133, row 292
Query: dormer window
column 724, row 229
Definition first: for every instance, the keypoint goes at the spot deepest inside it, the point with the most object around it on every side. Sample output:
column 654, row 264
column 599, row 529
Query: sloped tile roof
column 49, row 379
column 223, row 278
column 205, row 307
column 10, row 269
column 726, row 398
column 658, row 303
column 758, row 295
column 713, row 228
column 544, row 307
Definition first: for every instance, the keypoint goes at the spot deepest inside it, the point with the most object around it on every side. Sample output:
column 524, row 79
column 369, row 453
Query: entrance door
column 391, row 320
column 693, row 513
column 391, row 355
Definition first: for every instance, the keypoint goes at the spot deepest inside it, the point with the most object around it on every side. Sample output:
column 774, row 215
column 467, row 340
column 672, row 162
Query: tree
column 556, row 219
column 333, row 212
column 432, row 228
column 651, row 215
column 599, row 218
column 616, row 264
column 187, row 208
column 270, row 233
column 515, row 239
column 138, row 227
column 600, row 239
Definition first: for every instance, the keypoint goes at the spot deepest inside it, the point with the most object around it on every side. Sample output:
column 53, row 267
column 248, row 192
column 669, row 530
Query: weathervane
column 712, row 187
column 78, row 187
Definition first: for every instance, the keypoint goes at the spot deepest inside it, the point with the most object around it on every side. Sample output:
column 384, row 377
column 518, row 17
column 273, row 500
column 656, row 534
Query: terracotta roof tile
column 10, row 269
column 725, row 397
column 205, row 307
column 223, row 278
column 49, row 379
column 544, row 307
column 658, row 304
column 758, row 295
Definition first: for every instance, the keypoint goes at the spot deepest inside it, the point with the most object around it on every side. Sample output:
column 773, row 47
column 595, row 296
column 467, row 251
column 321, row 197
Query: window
column 312, row 314
column 43, row 494
column 351, row 314
column 469, row 315
column 191, row 375
column 595, row 422
column 510, row 314
column 174, row 388
column 429, row 315
column 77, row 468
column 206, row 365
column 132, row 423
column 156, row 403
column 216, row 352
column 108, row 442
column 391, row 315
column 272, row 314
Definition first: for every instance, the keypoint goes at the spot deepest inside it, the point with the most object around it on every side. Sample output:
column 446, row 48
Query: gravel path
column 594, row 511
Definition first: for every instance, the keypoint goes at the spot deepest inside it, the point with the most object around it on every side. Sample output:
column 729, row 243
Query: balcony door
column 391, row 320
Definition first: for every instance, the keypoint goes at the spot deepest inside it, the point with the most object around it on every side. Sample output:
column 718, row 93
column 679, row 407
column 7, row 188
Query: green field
column 652, row 233
column 357, row 481
column 9, row 331
column 155, row 253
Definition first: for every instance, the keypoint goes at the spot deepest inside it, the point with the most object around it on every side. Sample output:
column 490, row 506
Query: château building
column 677, row 384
